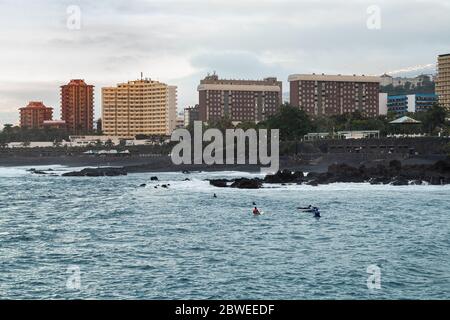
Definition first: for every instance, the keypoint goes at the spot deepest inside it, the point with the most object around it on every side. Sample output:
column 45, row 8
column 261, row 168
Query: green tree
column 247, row 125
column 223, row 124
column 292, row 122
column 433, row 119
column 8, row 128
column 109, row 144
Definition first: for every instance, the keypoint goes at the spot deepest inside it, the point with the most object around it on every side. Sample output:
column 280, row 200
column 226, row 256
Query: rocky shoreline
column 97, row 172
column 393, row 173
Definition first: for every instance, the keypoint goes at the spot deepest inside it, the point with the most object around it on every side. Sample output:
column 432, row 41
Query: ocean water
column 128, row 242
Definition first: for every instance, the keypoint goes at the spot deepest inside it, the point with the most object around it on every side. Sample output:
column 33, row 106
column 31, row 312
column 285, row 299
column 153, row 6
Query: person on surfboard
column 256, row 212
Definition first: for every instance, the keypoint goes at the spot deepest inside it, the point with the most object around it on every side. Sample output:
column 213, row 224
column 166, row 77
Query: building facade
column 173, row 102
column 383, row 104
column 77, row 106
column 326, row 95
column 411, row 103
column 55, row 124
column 415, row 82
column 138, row 107
column 34, row 115
column 180, row 122
column 239, row 100
column 191, row 114
column 443, row 81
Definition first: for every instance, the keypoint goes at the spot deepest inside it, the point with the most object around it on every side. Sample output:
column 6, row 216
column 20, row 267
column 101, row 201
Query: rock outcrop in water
column 285, row 176
column 247, row 183
column 97, row 172
column 219, row 183
column 393, row 173
column 241, row 183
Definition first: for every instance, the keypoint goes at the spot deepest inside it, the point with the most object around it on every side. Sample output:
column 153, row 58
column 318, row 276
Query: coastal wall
column 382, row 146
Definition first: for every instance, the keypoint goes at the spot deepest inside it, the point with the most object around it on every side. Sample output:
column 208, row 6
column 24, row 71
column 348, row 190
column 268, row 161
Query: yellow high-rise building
column 139, row 107
column 443, row 81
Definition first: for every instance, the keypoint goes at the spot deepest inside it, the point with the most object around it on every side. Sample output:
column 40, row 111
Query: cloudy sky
column 180, row 41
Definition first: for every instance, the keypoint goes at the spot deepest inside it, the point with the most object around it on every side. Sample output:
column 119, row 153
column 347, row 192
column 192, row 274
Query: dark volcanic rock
column 313, row 183
column 442, row 166
column 98, row 172
column 438, row 180
column 220, row 183
column 247, row 183
column 393, row 173
column 400, row 181
column 380, row 180
column 154, row 179
column 395, row 165
column 285, row 176
column 38, row 172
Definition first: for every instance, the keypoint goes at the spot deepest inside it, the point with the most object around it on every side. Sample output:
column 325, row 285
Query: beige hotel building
column 139, row 107
column 443, row 81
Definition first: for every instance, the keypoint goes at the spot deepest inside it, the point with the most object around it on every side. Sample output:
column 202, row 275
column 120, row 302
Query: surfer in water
column 256, row 212
column 317, row 213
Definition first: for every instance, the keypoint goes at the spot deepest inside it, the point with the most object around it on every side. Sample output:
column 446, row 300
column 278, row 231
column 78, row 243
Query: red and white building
column 34, row 115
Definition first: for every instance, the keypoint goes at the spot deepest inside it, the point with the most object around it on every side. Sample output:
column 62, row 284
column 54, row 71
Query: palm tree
column 8, row 128
column 109, row 144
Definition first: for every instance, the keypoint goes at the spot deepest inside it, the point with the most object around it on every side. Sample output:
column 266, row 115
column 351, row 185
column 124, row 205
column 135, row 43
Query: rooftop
column 77, row 82
column 35, row 105
column 405, row 120
column 214, row 79
column 338, row 77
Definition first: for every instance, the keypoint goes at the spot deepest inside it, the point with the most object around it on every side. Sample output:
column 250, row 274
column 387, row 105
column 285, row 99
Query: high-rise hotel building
column 238, row 100
column 77, row 106
column 34, row 115
column 335, row 94
column 443, row 81
column 139, row 107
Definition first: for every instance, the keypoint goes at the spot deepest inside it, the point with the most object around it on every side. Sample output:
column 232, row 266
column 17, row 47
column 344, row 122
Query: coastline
column 138, row 164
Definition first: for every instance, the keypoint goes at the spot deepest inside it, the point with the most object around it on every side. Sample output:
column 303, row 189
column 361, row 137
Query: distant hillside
column 408, row 88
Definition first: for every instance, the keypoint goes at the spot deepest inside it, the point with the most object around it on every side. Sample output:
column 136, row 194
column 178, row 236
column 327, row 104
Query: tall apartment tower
column 443, row 81
column 239, row 100
column 77, row 107
column 335, row 94
column 34, row 115
column 191, row 114
column 172, row 108
column 139, row 107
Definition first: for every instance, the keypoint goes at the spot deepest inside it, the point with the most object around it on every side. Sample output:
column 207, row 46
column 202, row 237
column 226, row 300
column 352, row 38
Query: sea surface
column 108, row 238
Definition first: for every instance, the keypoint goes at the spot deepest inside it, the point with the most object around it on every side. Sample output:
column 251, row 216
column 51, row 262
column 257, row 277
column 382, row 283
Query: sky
column 45, row 43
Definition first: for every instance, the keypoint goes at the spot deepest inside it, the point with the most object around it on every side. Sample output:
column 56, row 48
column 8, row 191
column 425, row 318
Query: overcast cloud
column 179, row 41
